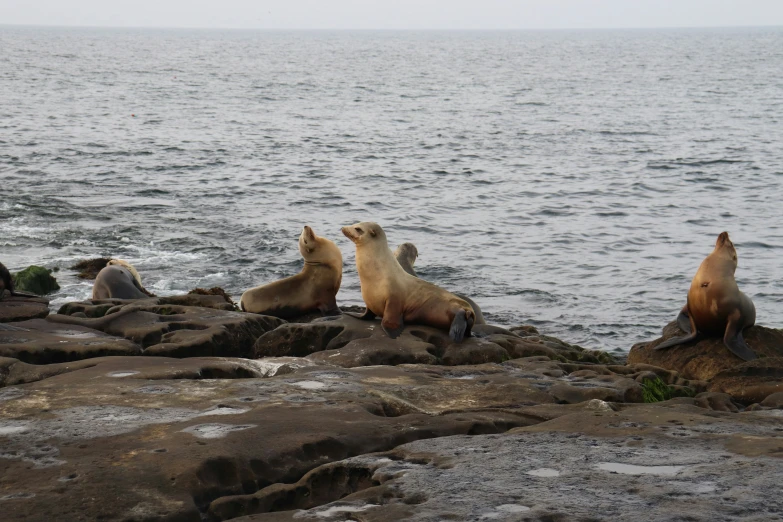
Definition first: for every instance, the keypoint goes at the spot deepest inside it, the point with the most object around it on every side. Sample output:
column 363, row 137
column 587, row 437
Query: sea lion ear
column 373, row 233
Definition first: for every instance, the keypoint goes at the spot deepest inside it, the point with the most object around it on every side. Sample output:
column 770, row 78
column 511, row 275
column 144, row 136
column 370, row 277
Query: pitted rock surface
column 41, row 342
column 706, row 358
column 668, row 462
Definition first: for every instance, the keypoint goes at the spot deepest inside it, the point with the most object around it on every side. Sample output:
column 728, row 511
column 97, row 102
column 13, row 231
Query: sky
column 394, row 14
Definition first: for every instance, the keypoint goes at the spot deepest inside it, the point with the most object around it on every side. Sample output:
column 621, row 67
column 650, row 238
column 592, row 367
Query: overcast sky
column 394, row 14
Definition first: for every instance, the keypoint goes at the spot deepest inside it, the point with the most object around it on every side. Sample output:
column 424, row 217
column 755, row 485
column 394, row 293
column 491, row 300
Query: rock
column 40, row 342
column 98, row 307
column 774, row 400
column 350, row 342
column 163, row 438
column 35, row 279
column 706, row 358
column 215, row 290
column 752, row 381
column 21, row 308
column 89, row 268
column 179, row 331
column 677, row 462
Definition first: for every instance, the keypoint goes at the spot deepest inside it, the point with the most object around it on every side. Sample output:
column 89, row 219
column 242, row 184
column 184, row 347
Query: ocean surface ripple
column 573, row 180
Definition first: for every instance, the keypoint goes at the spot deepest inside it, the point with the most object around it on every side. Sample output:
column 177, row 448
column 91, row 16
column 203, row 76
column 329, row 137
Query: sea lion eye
column 359, row 230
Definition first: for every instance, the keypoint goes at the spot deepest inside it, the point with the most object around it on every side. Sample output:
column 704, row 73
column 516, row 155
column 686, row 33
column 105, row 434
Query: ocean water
column 573, row 180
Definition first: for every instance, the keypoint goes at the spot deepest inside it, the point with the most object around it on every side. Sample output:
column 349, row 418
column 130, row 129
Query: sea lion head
column 319, row 250
column 724, row 248
column 129, row 267
column 407, row 252
column 365, row 233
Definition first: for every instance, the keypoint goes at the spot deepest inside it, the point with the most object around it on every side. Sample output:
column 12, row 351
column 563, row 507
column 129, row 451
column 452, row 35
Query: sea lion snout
column 723, row 238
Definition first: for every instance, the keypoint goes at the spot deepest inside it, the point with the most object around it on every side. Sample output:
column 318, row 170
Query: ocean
column 573, row 180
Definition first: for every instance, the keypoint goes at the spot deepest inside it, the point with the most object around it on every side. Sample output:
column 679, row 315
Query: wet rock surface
column 256, row 418
column 644, row 462
column 706, row 358
column 17, row 308
column 174, row 330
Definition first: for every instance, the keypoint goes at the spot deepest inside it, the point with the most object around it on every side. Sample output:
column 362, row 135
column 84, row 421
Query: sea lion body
column 398, row 297
column 314, row 288
column 406, row 255
column 116, row 282
column 715, row 305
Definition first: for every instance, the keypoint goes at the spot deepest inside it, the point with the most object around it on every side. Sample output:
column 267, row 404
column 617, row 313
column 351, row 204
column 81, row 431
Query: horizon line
column 498, row 29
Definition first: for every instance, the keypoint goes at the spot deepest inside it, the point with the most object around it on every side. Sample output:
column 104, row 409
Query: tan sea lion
column 398, row 297
column 715, row 304
column 118, row 280
column 314, row 288
column 406, row 255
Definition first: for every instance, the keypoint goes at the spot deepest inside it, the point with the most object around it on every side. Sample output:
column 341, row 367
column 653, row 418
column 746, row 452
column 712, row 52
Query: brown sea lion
column 715, row 304
column 314, row 288
column 118, row 280
column 7, row 283
column 398, row 297
column 406, row 255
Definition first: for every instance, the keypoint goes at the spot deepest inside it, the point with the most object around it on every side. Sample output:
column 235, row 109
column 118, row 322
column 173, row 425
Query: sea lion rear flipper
column 684, row 320
column 367, row 314
column 459, row 327
column 734, row 341
column 693, row 332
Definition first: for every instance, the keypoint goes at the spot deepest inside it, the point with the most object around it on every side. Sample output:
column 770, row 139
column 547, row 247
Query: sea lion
column 398, row 297
column 118, row 280
column 7, row 283
column 314, row 288
column 715, row 304
column 406, row 255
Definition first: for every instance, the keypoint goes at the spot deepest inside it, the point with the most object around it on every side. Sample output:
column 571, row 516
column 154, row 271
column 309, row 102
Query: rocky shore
column 183, row 409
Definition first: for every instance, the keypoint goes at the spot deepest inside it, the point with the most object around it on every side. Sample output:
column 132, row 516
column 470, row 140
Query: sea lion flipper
column 329, row 309
column 459, row 327
column 693, row 332
column 366, row 315
column 684, row 320
column 734, row 341
column 392, row 322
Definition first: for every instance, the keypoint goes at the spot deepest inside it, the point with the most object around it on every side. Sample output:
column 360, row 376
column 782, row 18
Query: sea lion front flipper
column 693, row 333
column 459, row 327
column 366, row 315
column 733, row 338
column 329, row 309
column 392, row 322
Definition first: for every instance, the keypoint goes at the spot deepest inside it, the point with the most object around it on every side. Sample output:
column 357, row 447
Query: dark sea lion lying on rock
column 715, row 304
column 406, row 255
column 398, row 297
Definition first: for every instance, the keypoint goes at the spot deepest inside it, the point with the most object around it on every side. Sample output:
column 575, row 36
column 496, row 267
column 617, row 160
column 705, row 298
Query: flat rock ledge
column 182, row 409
